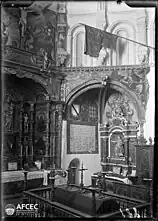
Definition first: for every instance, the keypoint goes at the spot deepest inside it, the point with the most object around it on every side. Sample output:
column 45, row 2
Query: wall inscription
column 82, row 138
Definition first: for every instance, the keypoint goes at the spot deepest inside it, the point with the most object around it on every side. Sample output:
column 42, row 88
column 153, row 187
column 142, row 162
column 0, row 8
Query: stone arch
column 78, row 90
column 95, row 83
column 74, row 178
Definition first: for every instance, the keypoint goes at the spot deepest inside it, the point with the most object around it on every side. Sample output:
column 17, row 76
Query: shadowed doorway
column 74, row 174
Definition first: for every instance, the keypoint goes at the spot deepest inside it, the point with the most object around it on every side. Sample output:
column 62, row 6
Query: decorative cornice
column 103, row 68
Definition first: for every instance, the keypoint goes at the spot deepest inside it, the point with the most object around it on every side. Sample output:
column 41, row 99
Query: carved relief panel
column 118, row 107
column 41, row 33
column 10, row 26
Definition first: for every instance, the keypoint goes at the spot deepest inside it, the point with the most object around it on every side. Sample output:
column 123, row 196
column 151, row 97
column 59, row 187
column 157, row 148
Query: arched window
column 80, row 57
column 76, row 43
column 125, row 52
column 122, row 49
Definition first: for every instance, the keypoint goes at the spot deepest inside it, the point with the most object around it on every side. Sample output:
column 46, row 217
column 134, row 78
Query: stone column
column 52, row 133
column 31, row 128
column 20, row 133
column 126, row 146
column 59, row 115
column 47, row 136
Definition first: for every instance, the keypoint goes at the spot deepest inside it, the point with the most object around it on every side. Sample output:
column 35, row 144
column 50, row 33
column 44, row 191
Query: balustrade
column 48, row 208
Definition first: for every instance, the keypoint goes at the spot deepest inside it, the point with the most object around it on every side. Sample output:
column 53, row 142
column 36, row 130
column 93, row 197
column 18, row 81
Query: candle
column 32, row 150
column 21, row 150
column 26, row 151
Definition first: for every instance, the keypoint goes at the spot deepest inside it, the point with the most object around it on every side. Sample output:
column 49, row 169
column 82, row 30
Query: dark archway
column 73, row 177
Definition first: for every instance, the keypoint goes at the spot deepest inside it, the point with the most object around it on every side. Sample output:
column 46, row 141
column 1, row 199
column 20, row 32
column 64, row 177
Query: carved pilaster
column 52, row 132
column 21, row 123
column 104, row 149
column 47, row 128
column 126, row 148
column 62, row 54
column 59, row 116
column 31, row 126
column 141, row 28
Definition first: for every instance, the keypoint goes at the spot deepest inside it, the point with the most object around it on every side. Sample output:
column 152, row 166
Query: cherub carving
column 143, row 54
column 126, row 77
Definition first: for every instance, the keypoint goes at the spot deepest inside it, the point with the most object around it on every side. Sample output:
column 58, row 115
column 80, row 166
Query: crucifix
column 82, row 169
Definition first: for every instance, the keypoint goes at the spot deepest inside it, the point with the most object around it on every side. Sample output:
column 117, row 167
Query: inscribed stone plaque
column 82, row 138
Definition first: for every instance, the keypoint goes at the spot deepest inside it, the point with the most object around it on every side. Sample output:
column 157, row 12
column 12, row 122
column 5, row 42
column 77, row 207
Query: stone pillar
column 47, row 137
column 59, row 116
column 31, row 128
column 20, row 133
column 126, row 146
column 62, row 55
column 102, row 149
column 52, row 133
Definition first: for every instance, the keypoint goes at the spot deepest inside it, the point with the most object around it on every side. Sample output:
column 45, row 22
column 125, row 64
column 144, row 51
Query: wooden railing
column 49, row 208
column 142, row 209
column 131, row 191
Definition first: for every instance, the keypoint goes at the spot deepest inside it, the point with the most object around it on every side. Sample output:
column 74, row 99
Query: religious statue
column 119, row 150
column 26, row 123
column 103, row 57
column 117, row 145
column 61, row 57
column 127, row 77
column 29, row 38
column 62, row 7
column 11, row 29
column 8, row 119
column 143, row 54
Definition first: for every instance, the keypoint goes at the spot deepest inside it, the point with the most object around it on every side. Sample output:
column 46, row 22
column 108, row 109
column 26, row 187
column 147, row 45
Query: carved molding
column 133, row 78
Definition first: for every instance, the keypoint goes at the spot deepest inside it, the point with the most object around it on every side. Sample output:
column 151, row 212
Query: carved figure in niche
column 26, row 123
column 62, row 7
column 103, row 57
column 127, row 111
column 45, row 60
column 143, row 54
column 8, row 118
column 61, row 39
column 117, row 145
column 11, row 26
column 120, row 108
column 29, row 38
column 61, row 57
column 127, row 77
column 39, row 148
column 41, row 126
